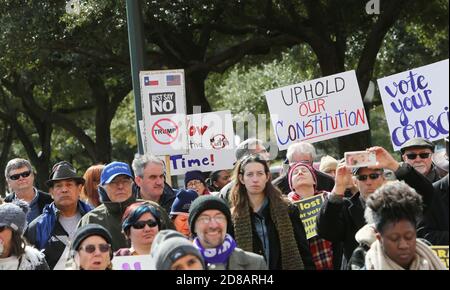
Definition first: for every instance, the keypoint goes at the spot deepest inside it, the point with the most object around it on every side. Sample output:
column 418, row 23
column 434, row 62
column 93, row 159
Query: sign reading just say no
column 416, row 103
column 164, row 111
column 317, row 110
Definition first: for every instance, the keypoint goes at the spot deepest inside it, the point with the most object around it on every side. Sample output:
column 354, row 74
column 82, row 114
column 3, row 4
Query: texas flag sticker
column 150, row 82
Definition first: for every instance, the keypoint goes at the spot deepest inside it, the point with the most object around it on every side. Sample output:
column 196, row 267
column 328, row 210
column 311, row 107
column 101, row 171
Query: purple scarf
column 217, row 255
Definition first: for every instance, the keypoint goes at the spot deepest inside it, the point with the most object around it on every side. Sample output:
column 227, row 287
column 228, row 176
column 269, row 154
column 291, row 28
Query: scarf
column 290, row 255
column 425, row 259
column 218, row 255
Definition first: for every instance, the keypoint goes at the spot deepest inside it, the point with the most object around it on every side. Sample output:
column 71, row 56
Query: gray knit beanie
column 14, row 215
column 169, row 246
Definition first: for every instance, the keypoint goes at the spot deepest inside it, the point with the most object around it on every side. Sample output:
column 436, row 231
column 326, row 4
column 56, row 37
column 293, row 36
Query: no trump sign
column 164, row 111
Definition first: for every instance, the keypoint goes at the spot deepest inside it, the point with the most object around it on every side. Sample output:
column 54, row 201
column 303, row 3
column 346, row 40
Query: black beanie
column 207, row 202
column 89, row 230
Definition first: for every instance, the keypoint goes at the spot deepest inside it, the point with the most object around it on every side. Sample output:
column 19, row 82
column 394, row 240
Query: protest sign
column 309, row 209
column 416, row 103
column 164, row 111
column 442, row 253
column 317, row 110
column 210, row 144
column 139, row 262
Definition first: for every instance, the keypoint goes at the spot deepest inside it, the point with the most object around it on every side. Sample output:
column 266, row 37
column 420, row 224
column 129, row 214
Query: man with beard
column 417, row 152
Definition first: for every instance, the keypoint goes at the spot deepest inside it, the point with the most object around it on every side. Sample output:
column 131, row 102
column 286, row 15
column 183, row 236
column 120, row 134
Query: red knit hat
column 296, row 165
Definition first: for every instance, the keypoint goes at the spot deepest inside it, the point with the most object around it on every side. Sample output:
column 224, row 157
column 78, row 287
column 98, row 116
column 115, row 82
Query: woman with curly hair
column 264, row 222
column 394, row 210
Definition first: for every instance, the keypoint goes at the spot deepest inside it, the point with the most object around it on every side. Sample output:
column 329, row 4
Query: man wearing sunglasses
column 20, row 177
column 340, row 218
column 418, row 152
column 56, row 226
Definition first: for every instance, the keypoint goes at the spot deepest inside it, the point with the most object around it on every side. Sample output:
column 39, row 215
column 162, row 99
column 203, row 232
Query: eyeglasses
column 194, row 183
column 91, row 248
column 412, row 156
column 139, row 225
column 18, row 175
column 220, row 219
column 372, row 176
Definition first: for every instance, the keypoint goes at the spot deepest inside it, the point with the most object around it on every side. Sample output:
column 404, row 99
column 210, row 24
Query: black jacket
column 340, row 218
column 167, row 198
column 43, row 199
column 274, row 241
column 434, row 226
column 324, row 182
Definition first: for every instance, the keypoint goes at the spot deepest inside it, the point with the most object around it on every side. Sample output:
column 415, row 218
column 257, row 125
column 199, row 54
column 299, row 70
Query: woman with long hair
column 264, row 221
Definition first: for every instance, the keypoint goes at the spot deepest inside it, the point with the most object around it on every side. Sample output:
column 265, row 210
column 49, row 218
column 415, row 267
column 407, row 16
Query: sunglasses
column 18, row 175
column 2, row 228
column 372, row 176
column 139, row 225
column 412, row 156
column 104, row 248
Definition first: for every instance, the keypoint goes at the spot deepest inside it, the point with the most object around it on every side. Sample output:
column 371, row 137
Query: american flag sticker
column 150, row 82
column 173, row 80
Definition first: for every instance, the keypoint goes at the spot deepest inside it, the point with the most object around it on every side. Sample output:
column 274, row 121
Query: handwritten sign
column 309, row 209
column 140, row 262
column 317, row 110
column 416, row 103
column 442, row 253
column 164, row 111
column 210, row 144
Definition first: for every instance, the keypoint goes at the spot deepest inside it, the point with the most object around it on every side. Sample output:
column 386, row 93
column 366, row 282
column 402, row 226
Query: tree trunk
column 195, row 92
column 7, row 142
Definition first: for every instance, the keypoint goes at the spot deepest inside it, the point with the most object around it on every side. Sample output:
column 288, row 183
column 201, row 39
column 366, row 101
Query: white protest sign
column 416, row 103
column 164, row 111
column 317, row 110
column 139, row 262
column 210, row 143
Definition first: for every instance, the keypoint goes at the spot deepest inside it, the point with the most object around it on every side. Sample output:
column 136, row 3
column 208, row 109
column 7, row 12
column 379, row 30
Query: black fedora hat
column 63, row 170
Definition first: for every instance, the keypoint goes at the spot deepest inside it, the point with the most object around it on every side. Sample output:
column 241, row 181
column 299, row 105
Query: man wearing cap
column 55, row 227
column 150, row 177
column 210, row 224
column 418, row 153
column 340, row 218
column 116, row 194
column 20, row 177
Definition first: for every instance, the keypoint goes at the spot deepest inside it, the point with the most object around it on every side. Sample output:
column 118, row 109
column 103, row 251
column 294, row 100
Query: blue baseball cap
column 114, row 169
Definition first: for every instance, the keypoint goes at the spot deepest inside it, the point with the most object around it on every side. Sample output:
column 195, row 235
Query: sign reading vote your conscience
column 210, row 144
column 164, row 111
column 140, row 262
column 442, row 253
column 416, row 103
column 309, row 209
column 317, row 110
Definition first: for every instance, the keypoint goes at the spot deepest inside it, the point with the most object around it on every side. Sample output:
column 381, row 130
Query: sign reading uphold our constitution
column 317, row 110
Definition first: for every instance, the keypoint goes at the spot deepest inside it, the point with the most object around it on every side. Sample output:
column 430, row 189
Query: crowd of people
column 231, row 220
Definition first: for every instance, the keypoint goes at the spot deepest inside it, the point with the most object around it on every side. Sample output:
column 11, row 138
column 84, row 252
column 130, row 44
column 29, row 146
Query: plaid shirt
column 322, row 253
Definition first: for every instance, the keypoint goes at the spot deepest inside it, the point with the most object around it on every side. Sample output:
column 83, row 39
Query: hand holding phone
column 360, row 159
